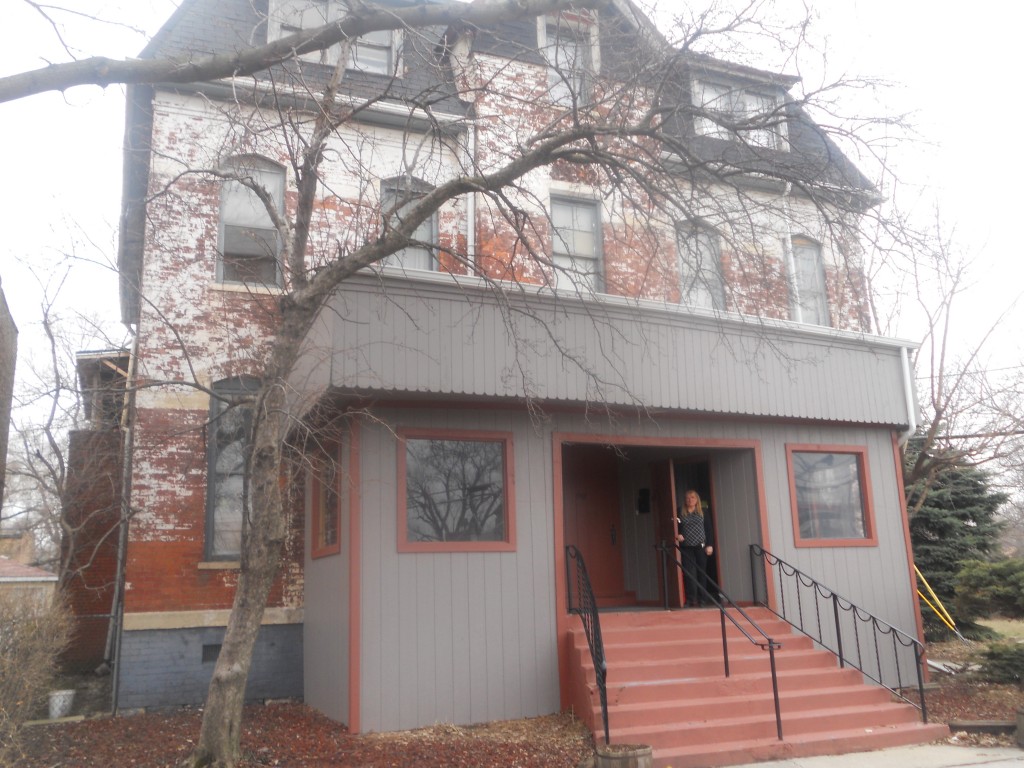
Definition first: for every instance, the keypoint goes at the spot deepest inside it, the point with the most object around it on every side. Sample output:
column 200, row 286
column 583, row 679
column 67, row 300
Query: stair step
column 724, row 730
column 672, row 711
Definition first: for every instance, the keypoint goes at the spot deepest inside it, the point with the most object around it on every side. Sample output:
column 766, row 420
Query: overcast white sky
column 950, row 65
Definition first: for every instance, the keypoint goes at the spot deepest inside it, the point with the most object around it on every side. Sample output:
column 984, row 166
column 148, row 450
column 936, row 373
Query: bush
column 985, row 589
column 1002, row 663
column 33, row 632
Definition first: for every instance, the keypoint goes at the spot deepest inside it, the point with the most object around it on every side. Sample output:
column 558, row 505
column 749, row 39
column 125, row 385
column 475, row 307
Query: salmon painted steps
column 666, row 688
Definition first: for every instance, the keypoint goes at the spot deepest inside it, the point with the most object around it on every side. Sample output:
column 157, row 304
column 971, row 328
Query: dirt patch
column 293, row 735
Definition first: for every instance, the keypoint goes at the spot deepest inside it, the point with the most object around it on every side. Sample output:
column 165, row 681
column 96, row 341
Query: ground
column 293, row 735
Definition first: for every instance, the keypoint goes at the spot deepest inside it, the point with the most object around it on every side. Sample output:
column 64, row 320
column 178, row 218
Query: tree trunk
column 262, row 542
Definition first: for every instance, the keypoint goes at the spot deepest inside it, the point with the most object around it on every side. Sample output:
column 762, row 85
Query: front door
column 590, row 483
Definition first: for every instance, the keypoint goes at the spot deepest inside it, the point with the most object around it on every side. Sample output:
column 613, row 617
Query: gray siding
column 471, row 637
column 164, row 667
column 456, row 637
column 440, row 337
column 326, row 625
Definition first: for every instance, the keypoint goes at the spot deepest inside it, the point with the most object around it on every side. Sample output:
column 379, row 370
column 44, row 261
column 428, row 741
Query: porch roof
column 439, row 336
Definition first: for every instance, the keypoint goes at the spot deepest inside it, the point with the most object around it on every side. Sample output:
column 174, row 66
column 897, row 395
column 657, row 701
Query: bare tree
column 628, row 133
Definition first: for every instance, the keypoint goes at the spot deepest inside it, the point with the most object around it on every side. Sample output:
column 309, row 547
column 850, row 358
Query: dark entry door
column 590, row 485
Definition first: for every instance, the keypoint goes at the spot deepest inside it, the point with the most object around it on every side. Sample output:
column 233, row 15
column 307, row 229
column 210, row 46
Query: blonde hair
column 700, row 502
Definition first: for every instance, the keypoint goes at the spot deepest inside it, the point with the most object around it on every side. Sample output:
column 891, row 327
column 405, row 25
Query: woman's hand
column 679, row 538
column 708, row 550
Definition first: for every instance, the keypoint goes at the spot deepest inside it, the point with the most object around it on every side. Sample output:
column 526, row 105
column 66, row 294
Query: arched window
column 700, row 268
column 808, row 300
column 250, row 245
column 397, row 196
column 229, row 438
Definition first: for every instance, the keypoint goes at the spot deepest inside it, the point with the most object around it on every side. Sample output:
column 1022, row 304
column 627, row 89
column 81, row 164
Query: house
column 8, row 359
column 549, row 366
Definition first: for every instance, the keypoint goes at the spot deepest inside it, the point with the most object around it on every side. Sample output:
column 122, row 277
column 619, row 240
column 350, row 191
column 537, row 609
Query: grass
column 1011, row 630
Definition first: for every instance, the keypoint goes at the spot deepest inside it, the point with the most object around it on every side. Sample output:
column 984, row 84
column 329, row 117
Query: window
column 229, row 436
column 455, row 491
column 700, row 268
column 398, row 196
column 737, row 114
column 575, row 241
column 249, row 241
column 830, row 492
column 809, row 299
column 289, row 17
column 567, row 47
column 373, row 52
column 329, row 496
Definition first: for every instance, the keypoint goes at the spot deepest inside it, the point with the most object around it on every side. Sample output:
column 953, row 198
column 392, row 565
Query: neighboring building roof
column 11, row 571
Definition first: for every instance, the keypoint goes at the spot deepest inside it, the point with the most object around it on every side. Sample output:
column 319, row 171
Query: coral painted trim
column 870, row 538
column 505, row 438
column 355, row 549
column 318, row 493
column 905, row 519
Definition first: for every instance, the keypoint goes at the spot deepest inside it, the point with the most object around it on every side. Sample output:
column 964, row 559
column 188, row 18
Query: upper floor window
column 398, row 196
column 830, row 495
column 229, row 437
column 372, row 52
column 737, row 114
column 809, row 300
column 700, row 268
column 568, row 44
column 249, row 241
column 576, row 244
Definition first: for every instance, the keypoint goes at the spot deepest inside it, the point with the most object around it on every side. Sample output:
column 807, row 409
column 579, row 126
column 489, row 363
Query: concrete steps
column 666, row 688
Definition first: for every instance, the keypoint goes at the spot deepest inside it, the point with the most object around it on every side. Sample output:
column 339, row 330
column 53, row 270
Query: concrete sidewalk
column 920, row 756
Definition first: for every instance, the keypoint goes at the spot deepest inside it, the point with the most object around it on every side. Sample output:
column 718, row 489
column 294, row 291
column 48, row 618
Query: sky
column 950, row 72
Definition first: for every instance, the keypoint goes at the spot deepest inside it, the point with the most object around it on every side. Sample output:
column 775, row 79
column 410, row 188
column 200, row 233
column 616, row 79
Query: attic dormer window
column 737, row 113
column 374, row 52
column 569, row 45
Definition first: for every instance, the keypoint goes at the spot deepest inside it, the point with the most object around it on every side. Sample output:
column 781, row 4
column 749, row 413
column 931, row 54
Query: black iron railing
column 801, row 599
column 717, row 597
column 585, row 606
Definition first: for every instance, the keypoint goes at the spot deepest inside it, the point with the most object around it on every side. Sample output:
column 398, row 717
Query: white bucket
column 60, row 703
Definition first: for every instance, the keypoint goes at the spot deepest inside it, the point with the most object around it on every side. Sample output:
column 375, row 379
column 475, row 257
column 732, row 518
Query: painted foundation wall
column 165, row 667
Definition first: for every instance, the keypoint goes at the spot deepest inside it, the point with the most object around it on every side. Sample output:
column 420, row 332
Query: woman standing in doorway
column 694, row 536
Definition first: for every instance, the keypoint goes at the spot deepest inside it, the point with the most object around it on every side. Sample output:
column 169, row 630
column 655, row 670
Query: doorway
column 619, row 504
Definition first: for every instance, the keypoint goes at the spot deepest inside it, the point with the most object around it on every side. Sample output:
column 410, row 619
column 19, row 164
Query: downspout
column 471, row 201
column 908, row 395
column 114, row 629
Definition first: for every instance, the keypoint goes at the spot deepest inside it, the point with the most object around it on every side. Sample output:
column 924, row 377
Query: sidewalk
column 920, row 756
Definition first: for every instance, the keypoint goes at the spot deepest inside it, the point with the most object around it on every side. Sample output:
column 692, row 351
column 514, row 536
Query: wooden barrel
column 624, row 756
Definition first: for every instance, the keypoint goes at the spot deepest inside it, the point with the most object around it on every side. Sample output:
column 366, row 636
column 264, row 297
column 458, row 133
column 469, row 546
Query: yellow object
column 936, row 605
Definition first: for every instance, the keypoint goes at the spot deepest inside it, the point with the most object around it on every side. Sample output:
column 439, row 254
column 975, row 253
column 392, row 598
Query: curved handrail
column 767, row 644
column 587, row 611
column 839, row 604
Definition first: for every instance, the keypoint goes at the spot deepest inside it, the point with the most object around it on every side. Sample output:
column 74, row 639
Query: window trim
column 263, row 164
column 864, row 478
column 419, row 433
column 332, row 451
column 685, row 230
column 599, row 270
column 228, row 388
